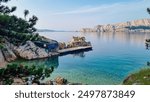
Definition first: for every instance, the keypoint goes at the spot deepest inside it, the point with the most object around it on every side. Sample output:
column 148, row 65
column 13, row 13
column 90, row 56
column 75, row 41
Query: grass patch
column 140, row 78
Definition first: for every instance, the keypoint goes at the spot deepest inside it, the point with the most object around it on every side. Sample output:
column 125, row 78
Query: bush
column 1, row 46
column 35, row 73
column 141, row 78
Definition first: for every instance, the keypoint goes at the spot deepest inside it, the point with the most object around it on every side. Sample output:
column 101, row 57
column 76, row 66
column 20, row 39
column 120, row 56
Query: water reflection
column 114, row 56
column 132, row 37
column 80, row 53
column 48, row 62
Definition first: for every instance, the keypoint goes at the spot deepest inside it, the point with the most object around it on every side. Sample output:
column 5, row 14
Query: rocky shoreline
column 27, row 51
column 57, row 81
column 39, row 49
column 31, row 50
column 6, row 55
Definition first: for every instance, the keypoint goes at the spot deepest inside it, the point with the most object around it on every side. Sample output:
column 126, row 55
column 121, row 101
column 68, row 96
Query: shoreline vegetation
column 18, row 74
column 139, row 78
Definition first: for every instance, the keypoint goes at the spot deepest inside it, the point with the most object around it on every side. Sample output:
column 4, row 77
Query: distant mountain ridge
column 49, row 30
column 45, row 30
column 142, row 25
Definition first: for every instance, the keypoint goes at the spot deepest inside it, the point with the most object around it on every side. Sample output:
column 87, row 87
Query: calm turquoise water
column 114, row 56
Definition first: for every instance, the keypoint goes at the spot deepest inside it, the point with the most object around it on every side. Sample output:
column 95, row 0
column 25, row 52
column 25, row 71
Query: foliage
column 5, row 9
column 17, row 28
column 1, row 46
column 1, row 43
column 142, row 77
column 26, row 12
column 12, row 71
column 148, row 10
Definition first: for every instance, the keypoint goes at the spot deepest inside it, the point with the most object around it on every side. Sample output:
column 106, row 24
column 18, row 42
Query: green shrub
column 142, row 77
column 21, row 71
column 1, row 46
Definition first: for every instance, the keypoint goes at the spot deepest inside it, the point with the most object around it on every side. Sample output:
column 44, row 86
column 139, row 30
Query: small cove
column 113, row 57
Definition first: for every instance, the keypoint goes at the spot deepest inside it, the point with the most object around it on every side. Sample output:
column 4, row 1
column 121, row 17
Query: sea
column 113, row 58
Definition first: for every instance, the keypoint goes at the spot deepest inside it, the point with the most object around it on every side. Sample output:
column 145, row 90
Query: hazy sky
column 76, row 14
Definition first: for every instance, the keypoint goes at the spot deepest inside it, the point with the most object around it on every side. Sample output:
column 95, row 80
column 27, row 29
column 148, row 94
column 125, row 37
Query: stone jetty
column 76, row 44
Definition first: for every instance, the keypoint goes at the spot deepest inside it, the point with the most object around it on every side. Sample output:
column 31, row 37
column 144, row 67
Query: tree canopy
column 12, row 26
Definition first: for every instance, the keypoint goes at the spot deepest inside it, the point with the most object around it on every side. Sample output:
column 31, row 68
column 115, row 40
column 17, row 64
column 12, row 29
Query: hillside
column 142, row 25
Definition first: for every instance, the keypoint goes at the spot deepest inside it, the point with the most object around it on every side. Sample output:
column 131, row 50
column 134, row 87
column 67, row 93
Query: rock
column 18, row 81
column 62, row 45
column 129, row 78
column 145, row 77
column 8, row 54
column 60, row 81
column 141, row 25
column 75, row 84
column 87, row 30
column 2, row 59
column 137, row 84
column 35, row 84
column 1, row 83
column 31, row 51
column 49, row 82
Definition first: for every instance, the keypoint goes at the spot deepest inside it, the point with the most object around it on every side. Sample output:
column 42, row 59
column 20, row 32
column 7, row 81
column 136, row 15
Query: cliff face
column 142, row 25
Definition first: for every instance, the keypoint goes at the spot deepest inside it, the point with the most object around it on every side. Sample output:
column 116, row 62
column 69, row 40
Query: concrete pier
column 74, row 49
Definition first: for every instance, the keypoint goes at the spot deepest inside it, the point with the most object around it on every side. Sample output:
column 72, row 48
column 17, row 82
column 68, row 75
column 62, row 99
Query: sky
column 77, row 14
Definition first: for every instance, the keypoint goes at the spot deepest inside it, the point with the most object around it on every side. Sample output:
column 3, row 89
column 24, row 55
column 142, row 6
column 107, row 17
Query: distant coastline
column 49, row 30
column 141, row 25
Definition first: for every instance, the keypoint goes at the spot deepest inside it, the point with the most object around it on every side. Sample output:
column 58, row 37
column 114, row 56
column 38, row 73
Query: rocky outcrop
column 60, row 81
column 27, row 51
column 2, row 59
column 9, row 54
column 88, row 30
column 31, row 51
column 18, row 81
column 142, row 25
column 6, row 55
column 75, row 42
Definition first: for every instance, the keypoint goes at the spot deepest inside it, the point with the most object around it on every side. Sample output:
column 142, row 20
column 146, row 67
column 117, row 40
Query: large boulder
column 60, row 81
column 18, row 81
column 49, row 82
column 31, row 51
